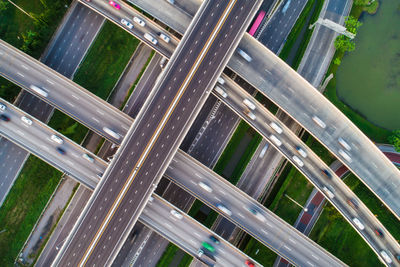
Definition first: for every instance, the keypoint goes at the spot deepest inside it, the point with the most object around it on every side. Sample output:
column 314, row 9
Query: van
column 262, row 153
column 38, row 90
column 151, row 38
column 298, row 161
column 221, row 91
column 358, row 223
column 164, row 37
column 250, row 104
column 319, row 122
column 276, row 127
column 244, row 55
column 275, row 140
column 385, row 256
column 344, row 144
column 111, row 133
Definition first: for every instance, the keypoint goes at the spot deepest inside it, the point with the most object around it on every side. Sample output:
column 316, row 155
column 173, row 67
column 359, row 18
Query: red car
column 114, row 4
column 249, row 263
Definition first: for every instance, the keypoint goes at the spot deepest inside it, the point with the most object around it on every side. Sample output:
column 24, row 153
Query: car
column 244, row 55
column 176, row 214
column 26, row 120
column 127, row 23
column 61, row 150
column 398, row 257
column 214, row 239
column 114, row 4
column 2, row 107
column 164, row 37
column 249, row 263
column 298, row 161
column 262, row 153
column 344, row 144
column 224, row 209
column 249, row 103
column 39, row 90
column 100, row 174
column 221, row 91
column 275, row 140
column 345, row 155
column 151, row 198
column 139, row 21
column 57, row 139
column 358, row 223
column 326, row 173
column 276, row 127
column 4, row 117
column 385, row 256
column 301, row 151
column 249, row 114
column 221, row 80
column 88, row 157
column 329, row 191
column 208, row 246
column 378, row 232
column 352, row 202
column 151, row 38
column 256, row 213
column 319, row 122
column 205, row 187
column 111, row 133
column 163, row 62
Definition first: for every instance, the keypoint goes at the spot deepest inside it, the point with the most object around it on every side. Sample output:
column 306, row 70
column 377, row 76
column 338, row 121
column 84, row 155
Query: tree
column 352, row 24
column 3, row 5
column 344, row 43
column 361, row 2
column 394, row 139
column 337, row 61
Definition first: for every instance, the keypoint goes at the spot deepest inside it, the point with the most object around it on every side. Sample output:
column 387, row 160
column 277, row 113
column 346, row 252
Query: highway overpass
column 36, row 139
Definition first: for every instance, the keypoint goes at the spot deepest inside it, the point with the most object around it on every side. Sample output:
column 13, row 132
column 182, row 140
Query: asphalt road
column 280, row 24
column 181, row 167
column 321, row 47
column 151, row 131
column 277, row 81
column 62, row 93
column 12, row 156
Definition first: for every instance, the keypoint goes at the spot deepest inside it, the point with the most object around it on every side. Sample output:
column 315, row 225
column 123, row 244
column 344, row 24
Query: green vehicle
column 208, row 246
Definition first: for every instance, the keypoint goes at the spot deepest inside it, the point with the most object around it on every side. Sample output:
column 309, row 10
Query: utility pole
column 295, row 202
column 26, row 13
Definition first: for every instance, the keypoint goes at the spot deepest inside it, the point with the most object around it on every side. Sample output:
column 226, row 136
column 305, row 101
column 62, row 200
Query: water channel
column 368, row 79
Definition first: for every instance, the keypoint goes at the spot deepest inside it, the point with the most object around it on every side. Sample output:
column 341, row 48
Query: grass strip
column 23, row 206
column 335, row 234
column 167, row 256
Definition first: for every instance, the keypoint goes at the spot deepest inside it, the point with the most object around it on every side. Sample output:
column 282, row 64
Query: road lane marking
column 155, row 136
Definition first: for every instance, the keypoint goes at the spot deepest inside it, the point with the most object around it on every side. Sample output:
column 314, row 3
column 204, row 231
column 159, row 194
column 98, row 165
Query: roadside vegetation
column 335, row 234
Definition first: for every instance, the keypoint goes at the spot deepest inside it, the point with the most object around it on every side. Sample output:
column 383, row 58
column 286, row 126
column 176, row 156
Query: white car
column 26, row 120
column 176, row 214
column 221, row 91
column 250, row 104
column 2, row 107
column 88, row 158
column 385, row 256
column 127, row 23
column 345, row 155
column 250, row 114
column 328, row 191
column 275, row 140
column 221, row 80
column 38, row 90
column 57, row 139
column 111, row 133
column 318, row 121
column 139, row 21
column 298, row 161
column 276, row 127
column 301, row 151
column 205, row 187
column 244, row 55
column 150, row 37
column 224, row 209
column 358, row 224
column 164, row 37
column 344, row 144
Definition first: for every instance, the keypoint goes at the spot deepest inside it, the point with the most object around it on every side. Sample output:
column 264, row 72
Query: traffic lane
column 111, row 187
column 192, row 233
column 128, row 13
column 37, row 136
column 285, row 84
column 25, row 71
column 312, row 166
column 190, row 173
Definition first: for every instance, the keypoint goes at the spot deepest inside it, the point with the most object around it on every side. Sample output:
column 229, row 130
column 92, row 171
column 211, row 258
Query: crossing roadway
column 187, row 172
column 156, row 134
